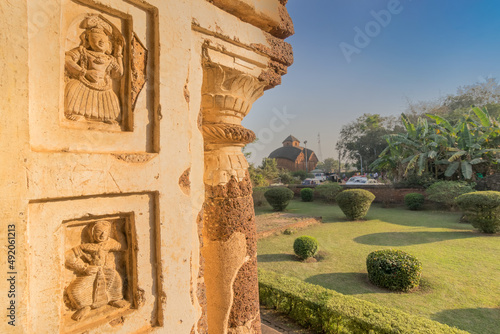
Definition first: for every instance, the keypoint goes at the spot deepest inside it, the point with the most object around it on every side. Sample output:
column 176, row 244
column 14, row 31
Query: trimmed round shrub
column 328, row 191
column 278, row 197
column 394, row 269
column 414, row 201
column 307, row 194
column 482, row 209
column 355, row 203
column 305, row 247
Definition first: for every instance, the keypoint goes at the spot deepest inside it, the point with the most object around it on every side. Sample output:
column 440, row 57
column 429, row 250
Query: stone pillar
column 229, row 232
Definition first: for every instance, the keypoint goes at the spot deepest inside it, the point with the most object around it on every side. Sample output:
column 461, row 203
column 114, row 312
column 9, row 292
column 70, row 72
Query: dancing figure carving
column 92, row 67
column 97, row 283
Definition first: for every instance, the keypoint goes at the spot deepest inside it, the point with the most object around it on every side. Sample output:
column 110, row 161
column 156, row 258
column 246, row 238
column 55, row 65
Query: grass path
column 461, row 267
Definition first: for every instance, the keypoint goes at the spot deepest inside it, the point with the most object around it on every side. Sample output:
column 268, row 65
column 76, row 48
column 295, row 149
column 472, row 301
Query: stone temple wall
column 125, row 202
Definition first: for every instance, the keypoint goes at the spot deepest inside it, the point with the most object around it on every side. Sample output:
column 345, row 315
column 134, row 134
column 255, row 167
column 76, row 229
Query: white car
column 361, row 180
column 357, row 180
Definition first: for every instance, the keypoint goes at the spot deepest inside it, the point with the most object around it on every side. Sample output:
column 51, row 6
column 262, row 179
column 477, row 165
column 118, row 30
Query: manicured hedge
column 394, row 269
column 327, row 311
column 278, row 197
column 482, row 209
column 328, row 191
column 355, row 203
column 307, row 194
column 414, row 201
column 305, row 247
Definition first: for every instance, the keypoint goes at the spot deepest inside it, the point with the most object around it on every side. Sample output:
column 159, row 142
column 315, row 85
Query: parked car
column 320, row 176
column 357, row 180
column 361, row 180
column 310, row 182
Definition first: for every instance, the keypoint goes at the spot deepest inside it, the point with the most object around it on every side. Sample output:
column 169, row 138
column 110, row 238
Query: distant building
column 292, row 156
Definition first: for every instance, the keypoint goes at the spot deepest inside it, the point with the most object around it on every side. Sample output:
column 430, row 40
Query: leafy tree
column 328, row 165
column 365, row 137
column 270, row 169
column 481, row 94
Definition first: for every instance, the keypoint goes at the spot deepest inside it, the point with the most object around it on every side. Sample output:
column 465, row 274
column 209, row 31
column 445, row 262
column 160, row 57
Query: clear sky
column 369, row 56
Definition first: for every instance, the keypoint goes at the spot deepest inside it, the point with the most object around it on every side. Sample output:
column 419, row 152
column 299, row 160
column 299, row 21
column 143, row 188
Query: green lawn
column 461, row 267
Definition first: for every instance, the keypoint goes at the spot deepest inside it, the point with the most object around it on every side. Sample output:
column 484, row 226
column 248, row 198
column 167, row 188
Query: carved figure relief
column 97, row 281
column 93, row 68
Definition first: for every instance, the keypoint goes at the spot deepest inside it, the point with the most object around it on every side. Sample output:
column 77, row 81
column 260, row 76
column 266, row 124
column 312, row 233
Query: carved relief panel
column 102, row 91
column 100, row 260
column 94, row 264
column 94, row 71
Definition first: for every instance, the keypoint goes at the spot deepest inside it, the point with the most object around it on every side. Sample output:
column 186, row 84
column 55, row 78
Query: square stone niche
column 93, row 265
column 94, row 77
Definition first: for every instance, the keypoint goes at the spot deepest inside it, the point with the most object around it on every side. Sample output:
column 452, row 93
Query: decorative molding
column 227, row 133
column 227, row 92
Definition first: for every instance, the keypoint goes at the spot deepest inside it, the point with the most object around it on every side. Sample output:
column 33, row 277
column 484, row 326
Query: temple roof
column 289, row 153
column 291, row 138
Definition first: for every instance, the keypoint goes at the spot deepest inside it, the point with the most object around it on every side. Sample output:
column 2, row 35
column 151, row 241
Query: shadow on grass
column 473, row 320
column 345, row 283
column 276, row 257
column 410, row 238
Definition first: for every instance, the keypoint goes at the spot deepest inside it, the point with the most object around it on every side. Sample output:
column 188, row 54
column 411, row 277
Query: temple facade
column 292, row 156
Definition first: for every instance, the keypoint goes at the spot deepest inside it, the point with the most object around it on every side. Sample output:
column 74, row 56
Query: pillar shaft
column 229, row 231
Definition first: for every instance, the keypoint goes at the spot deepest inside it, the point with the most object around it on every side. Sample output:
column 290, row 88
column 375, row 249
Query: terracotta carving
column 92, row 67
column 97, row 283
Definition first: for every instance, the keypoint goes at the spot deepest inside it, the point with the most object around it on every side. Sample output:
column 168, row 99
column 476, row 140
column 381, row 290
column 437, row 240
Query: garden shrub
column 327, row 311
column 417, row 181
column 445, row 192
column 328, row 191
column 355, row 203
column 414, row 201
column 394, row 269
column 289, row 231
column 278, row 197
column 307, row 194
column 305, row 247
column 258, row 196
column 482, row 209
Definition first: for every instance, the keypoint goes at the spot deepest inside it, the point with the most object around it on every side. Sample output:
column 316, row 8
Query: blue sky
column 426, row 50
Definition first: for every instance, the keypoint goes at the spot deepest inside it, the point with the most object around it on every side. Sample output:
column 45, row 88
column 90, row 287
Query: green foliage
column 327, row 311
column 456, row 150
column 278, row 197
column 355, row 203
column 256, row 177
column 394, row 270
column 445, row 192
column 265, row 174
column 269, row 169
column 417, row 181
column 289, row 231
column 287, row 178
column 302, row 175
column 414, row 201
column 305, row 247
column 328, row 191
column 258, row 196
column 307, row 194
column 328, row 165
column 365, row 136
column 482, row 209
